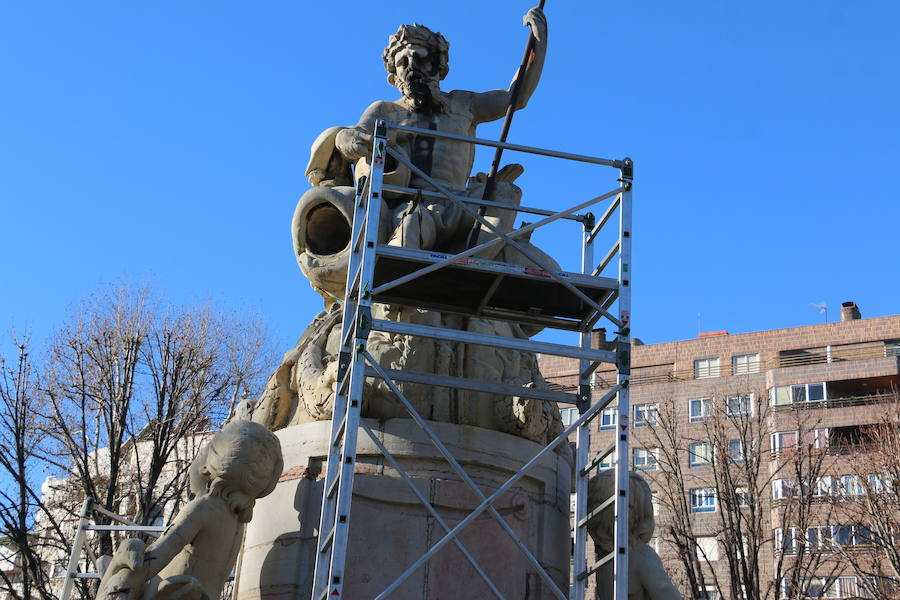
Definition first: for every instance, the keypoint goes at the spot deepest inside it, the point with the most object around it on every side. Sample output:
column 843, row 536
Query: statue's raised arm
column 490, row 106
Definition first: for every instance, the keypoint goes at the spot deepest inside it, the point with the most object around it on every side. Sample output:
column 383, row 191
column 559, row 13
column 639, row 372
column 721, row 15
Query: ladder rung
column 587, row 573
column 606, row 504
column 333, row 487
column 326, row 543
column 340, row 431
column 598, row 459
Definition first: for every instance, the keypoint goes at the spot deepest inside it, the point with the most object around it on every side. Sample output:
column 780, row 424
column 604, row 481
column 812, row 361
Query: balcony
column 841, row 402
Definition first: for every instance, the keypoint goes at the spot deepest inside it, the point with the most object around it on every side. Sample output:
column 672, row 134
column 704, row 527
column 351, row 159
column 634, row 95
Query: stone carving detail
column 194, row 556
column 647, row 580
column 302, row 388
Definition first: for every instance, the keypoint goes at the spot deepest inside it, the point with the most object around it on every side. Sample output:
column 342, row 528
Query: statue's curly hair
column 241, row 463
column 437, row 45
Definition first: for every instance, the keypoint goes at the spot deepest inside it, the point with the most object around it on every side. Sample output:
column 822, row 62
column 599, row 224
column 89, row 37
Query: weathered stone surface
column 196, row 554
column 390, row 528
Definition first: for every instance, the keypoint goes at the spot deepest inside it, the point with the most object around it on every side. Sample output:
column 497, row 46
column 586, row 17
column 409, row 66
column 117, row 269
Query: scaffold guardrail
column 380, row 273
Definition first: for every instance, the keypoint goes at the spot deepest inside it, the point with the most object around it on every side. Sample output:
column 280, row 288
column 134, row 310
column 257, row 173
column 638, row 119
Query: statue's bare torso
column 447, row 161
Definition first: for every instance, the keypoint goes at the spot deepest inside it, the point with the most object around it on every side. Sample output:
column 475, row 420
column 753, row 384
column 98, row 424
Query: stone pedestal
column 390, row 528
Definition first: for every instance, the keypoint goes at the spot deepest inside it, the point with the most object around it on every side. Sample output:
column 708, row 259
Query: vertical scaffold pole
column 583, row 437
column 77, row 545
column 334, row 525
column 623, row 360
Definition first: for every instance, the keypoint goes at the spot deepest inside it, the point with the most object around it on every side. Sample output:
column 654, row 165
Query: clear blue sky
column 168, row 140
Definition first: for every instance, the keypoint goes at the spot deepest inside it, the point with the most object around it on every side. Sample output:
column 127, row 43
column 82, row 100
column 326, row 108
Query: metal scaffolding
column 379, row 273
column 88, row 508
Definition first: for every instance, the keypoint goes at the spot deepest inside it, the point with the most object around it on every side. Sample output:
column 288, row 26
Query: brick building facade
column 776, row 407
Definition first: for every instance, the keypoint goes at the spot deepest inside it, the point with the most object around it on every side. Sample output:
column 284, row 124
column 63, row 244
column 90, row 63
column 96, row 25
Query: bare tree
column 801, row 502
column 768, row 489
column 132, row 388
column 738, row 430
column 666, row 432
column 19, row 436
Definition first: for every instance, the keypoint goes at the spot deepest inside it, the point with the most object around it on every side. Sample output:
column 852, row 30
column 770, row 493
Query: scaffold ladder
column 573, row 302
column 84, row 526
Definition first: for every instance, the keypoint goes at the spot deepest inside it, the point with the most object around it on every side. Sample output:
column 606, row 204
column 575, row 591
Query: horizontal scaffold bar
column 609, row 162
column 496, row 341
column 144, row 528
column 502, row 205
column 476, row 386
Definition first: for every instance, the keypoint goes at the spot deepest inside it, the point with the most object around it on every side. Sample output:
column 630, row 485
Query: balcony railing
column 841, row 401
column 814, row 356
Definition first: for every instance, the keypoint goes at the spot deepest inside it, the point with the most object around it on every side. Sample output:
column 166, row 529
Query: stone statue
column 302, row 388
column 647, row 580
column 195, row 555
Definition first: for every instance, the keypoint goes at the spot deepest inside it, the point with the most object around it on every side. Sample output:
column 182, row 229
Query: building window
column 784, row 395
column 708, row 548
column 743, row 364
column 742, row 497
column 645, row 414
column 568, row 415
column 654, row 543
column 739, row 405
column 786, row 540
column 709, row 593
column 819, row 537
column 736, row 451
column 645, row 459
column 703, row 500
column 826, row 486
column 786, row 440
column 654, row 501
column 609, row 418
column 821, row 587
column 706, row 367
column 880, row 483
column 608, row 462
column 783, row 488
column 700, row 409
column 852, row 485
column 700, row 454
column 892, row 348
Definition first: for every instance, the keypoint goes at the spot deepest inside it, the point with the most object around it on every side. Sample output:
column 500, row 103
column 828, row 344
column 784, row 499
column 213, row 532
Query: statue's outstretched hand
column 353, row 144
column 536, row 19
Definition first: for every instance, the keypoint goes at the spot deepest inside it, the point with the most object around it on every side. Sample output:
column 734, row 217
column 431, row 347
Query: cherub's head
column 640, row 509
column 417, row 59
column 243, row 463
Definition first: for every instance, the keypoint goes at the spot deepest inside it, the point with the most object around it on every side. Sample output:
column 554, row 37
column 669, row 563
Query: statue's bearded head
column 416, row 60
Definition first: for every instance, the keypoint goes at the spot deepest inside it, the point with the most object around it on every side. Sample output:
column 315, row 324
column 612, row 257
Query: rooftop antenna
column 823, row 308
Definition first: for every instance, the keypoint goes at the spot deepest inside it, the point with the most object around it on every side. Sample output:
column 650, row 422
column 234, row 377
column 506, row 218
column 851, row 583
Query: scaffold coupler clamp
column 627, row 178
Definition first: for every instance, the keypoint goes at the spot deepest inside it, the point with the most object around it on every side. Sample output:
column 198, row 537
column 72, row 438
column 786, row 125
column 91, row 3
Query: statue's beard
column 422, row 92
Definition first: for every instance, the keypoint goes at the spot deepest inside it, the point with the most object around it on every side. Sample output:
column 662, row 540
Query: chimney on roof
column 708, row 334
column 599, row 341
column 850, row 311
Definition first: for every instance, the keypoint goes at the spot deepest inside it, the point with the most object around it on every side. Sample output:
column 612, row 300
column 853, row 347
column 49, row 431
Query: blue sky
column 167, row 142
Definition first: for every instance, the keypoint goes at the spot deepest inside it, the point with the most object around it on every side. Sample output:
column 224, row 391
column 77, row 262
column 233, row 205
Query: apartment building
column 768, row 441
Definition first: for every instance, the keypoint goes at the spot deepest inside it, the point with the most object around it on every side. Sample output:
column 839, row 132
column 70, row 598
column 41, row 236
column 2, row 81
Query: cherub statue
column 194, row 556
column 647, row 579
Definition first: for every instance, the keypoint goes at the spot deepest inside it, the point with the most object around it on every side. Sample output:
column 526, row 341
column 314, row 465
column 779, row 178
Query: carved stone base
column 390, row 528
